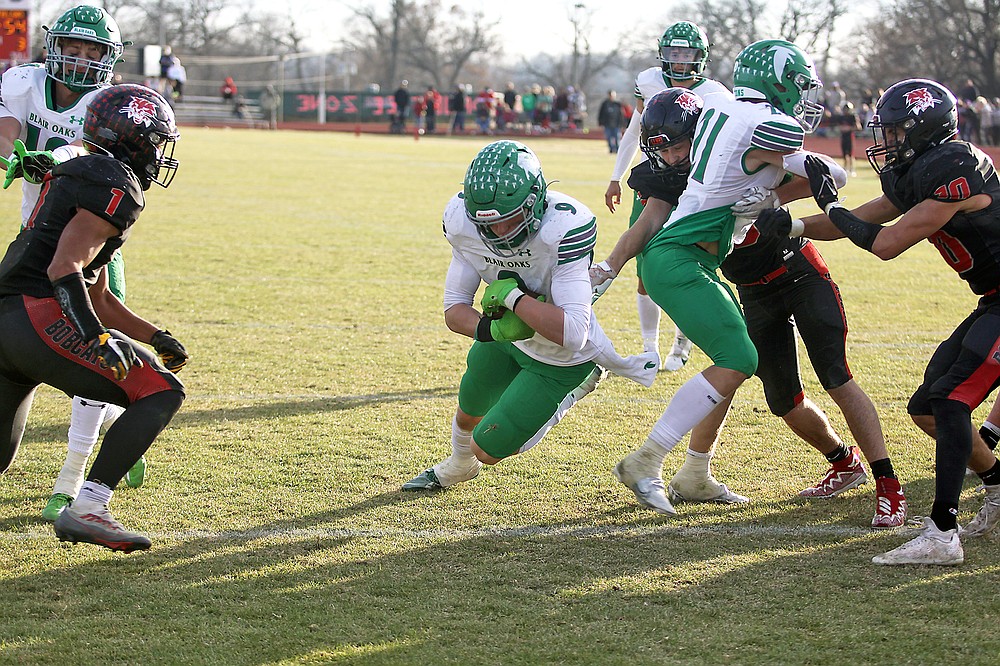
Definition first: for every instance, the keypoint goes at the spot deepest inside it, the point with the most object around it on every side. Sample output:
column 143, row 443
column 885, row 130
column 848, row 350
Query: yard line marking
column 514, row 532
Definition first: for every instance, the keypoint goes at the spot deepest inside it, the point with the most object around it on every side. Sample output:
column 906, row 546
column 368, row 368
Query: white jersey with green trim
column 554, row 263
column 27, row 95
column 727, row 130
column 650, row 81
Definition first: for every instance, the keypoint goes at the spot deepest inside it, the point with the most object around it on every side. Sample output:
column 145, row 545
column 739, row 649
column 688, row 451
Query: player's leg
column 694, row 481
column 682, row 280
column 490, row 368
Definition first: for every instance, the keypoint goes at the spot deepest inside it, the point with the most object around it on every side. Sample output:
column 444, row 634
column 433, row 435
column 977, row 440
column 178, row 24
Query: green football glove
column 495, row 297
column 32, row 165
column 506, row 328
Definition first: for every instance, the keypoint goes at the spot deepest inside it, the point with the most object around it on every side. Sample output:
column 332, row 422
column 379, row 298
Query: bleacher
column 217, row 112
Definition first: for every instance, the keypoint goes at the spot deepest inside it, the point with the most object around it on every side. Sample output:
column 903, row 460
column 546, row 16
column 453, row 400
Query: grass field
column 303, row 271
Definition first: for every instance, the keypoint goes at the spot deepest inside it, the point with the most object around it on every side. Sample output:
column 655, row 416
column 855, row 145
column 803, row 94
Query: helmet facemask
column 682, row 63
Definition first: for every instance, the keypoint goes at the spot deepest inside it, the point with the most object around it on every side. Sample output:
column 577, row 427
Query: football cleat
column 137, row 475
column 55, row 506
column 890, row 504
column 987, row 518
column 445, row 474
column 426, row 480
column 707, row 489
column 679, row 354
column 90, row 522
column 645, row 484
column 842, row 476
column 932, row 546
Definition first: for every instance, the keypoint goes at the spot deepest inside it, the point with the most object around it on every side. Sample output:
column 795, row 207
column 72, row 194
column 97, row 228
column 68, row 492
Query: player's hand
column 753, row 201
column 601, row 277
column 115, row 354
column 774, row 222
column 613, row 196
column 821, row 183
column 510, row 327
column 32, row 165
column 495, row 297
column 170, row 351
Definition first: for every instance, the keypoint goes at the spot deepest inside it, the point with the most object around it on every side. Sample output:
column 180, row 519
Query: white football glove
column 754, row 200
column 601, row 277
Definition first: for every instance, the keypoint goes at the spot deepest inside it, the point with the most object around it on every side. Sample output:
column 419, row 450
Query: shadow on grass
column 599, row 590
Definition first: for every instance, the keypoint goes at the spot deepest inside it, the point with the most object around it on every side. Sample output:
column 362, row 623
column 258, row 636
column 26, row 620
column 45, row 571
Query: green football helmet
column 91, row 24
column 683, row 51
column 780, row 73
column 505, row 184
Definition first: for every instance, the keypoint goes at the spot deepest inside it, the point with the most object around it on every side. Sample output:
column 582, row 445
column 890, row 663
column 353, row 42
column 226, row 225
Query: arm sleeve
column 461, row 282
column 571, row 292
column 627, row 147
column 796, row 163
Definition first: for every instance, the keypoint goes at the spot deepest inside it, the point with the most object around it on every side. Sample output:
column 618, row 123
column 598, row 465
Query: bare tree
column 442, row 41
column 581, row 66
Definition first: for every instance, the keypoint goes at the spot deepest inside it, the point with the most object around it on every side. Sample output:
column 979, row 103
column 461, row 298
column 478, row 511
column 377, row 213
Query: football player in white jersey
column 739, row 143
column 536, row 340
column 683, row 55
column 44, row 106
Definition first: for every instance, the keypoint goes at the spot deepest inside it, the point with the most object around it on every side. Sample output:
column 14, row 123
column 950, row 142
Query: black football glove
column 116, row 355
column 170, row 350
column 774, row 222
column 821, row 182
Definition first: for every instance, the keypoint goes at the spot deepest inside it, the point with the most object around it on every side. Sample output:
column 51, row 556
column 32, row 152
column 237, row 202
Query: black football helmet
column 134, row 124
column 911, row 117
column 670, row 117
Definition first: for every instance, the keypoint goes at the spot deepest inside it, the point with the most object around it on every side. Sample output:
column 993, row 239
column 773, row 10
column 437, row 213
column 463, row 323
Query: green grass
column 303, row 271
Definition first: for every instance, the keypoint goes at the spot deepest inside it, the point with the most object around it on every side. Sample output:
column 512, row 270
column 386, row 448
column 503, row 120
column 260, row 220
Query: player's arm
column 10, row 129
column 115, row 314
column 877, row 211
column 460, row 287
column 566, row 319
column 637, row 237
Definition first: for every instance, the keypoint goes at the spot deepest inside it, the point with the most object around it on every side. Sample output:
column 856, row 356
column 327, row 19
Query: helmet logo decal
column 688, row 101
column 782, row 55
column 140, row 111
column 919, row 100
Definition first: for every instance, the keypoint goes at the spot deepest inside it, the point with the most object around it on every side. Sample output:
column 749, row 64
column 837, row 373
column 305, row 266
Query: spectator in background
column 418, row 112
column 432, row 100
column 484, row 110
column 528, row 106
column 228, row 89
column 458, row 108
column 402, row 99
column 969, row 92
column 577, row 108
column 995, row 134
column 984, row 114
column 847, row 123
column 560, row 109
column 166, row 60
column 270, row 103
column 509, row 108
column 177, row 76
column 611, row 117
column 543, row 108
column 968, row 121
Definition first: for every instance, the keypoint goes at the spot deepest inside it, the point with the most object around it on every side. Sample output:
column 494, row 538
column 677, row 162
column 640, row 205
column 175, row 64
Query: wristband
column 483, row 332
column 512, row 297
column 798, row 228
column 832, row 204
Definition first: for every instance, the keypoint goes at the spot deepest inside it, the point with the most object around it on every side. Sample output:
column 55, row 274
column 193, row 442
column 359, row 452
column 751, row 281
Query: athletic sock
column 692, row 402
column 991, row 477
column 944, row 515
column 838, row 453
column 882, row 469
column 72, row 473
column 990, row 434
column 649, row 321
column 94, row 492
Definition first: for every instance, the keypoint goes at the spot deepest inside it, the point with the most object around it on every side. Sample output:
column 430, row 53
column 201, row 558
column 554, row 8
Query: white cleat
column 703, row 490
column 679, row 354
column 646, row 484
column 988, row 517
column 932, row 546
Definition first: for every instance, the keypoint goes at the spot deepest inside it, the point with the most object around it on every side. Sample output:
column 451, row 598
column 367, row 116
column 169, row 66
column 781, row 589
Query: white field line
column 514, row 532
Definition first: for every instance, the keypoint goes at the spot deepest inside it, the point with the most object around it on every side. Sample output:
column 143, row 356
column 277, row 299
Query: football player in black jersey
column 777, row 279
column 59, row 324
column 946, row 191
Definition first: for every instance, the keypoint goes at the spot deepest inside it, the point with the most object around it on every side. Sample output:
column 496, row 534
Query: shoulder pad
column 569, row 224
column 454, row 218
column 952, row 171
column 780, row 134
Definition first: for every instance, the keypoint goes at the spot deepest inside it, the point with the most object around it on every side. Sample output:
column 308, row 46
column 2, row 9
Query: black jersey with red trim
column 96, row 183
column 648, row 183
column 757, row 256
column 956, row 171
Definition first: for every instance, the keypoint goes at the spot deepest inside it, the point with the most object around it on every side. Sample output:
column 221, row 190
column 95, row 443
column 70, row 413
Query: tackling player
column 536, row 341
column 946, row 191
column 53, row 330
column 43, row 106
column 683, row 55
